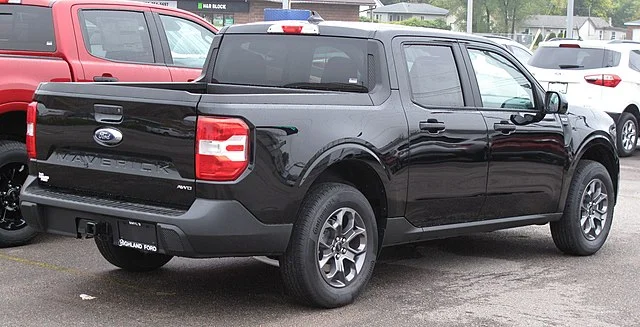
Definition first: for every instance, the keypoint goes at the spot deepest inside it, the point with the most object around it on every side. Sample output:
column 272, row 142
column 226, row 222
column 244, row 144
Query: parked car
column 604, row 75
column 82, row 41
column 409, row 134
column 518, row 50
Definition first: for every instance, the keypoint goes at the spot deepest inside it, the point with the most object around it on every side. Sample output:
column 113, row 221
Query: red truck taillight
column 32, row 114
column 222, row 148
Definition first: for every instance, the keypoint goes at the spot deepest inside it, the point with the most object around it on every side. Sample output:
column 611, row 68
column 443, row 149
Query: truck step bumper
column 208, row 229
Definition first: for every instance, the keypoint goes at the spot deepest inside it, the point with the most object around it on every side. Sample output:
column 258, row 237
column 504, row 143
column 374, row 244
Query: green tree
column 551, row 36
column 625, row 11
column 435, row 23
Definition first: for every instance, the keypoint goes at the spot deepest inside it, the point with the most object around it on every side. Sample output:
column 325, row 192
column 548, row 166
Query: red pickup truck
column 82, row 41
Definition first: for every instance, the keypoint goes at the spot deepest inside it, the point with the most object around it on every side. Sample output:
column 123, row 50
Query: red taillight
column 292, row 29
column 11, row 1
column 569, row 45
column 32, row 114
column 607, row 80
column 222, row 148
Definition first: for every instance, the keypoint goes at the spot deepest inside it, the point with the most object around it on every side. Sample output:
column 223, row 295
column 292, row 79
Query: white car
column 518, row 50
column 603, row 75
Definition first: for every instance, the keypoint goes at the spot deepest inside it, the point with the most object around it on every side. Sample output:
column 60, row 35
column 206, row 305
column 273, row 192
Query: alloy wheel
column 12, row 176
column 594, row 209
column 628, row 135
column 342, row 247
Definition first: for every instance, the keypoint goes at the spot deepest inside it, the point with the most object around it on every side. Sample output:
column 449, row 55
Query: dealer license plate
column 137, row 235
column 558, row 87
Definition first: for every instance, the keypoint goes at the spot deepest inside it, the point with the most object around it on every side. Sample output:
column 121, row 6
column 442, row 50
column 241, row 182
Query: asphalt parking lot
column 505, row 278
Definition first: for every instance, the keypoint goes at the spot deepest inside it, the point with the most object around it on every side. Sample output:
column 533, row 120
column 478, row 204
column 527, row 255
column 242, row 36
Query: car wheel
column 627, row 134
column 333, row 247
column 130, row 259
column 588, row 213
column 13, row 172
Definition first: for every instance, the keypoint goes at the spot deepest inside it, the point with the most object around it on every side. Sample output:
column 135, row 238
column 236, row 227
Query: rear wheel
column 13, row 172
column 130, row 259
column 332, row 251
column 627, row 134
column 588, row 213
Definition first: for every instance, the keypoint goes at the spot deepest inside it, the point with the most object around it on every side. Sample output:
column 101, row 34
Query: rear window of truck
column 26, row 28
column 574, row 58
column 293, row 61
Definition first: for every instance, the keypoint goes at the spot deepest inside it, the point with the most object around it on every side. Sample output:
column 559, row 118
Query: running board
column 400, row 230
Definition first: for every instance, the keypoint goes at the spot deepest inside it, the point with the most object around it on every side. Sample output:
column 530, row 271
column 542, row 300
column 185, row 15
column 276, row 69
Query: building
column 587, row 28
column 633, row 30
column 404, row 10
column 228, row 12
column 367, row 11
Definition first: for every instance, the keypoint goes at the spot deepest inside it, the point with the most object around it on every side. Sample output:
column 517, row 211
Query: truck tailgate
column 127, row 143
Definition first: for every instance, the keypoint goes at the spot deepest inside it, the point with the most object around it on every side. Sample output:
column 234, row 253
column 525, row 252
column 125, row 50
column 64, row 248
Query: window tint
column 188, row 42
column 312, row 62
column 501, row 84
column 634, row 60
column 574, row 58
column 117, row 35
column 521, row 54
column 26, row 28
column 433, row 76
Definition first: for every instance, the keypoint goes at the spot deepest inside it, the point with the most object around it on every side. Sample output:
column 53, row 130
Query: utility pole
column 569, row 19
column 470, row 16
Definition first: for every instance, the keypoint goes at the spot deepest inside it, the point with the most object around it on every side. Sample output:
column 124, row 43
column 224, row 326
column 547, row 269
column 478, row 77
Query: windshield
column 574, row 58
column 26, row 28
column 293, row 61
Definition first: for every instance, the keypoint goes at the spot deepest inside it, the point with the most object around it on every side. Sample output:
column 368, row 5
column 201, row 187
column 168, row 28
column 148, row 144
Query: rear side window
column 634, row 60
column 433, row 76
column 574, row 58
column 117, row 35
column 26, row 28
column 293, row 61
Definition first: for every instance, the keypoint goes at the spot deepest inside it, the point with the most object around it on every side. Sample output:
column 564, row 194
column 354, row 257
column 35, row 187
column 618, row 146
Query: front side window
column 117, row 35
column 634, row 60
column 433, row 76
column 188, row 42
column 500, row 82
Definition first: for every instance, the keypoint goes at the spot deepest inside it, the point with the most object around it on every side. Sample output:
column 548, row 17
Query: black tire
column 13, row 155
column 300, row 265
column 130, row 259
column 567, row 233
column 626, row 120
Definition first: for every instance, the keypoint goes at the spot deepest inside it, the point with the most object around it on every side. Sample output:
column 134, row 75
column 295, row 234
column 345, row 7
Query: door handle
column 432, row 126
column 504, row 127
column 104, row 79
column 108, row 114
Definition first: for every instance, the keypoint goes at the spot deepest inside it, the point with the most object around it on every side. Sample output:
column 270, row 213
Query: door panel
column 526, row 162
column 118, row 46
column 448, row 141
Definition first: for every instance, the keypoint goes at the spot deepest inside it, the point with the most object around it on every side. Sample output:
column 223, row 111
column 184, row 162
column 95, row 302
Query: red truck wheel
column 13, row 172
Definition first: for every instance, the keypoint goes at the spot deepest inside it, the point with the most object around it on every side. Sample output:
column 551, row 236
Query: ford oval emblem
column 108, row 136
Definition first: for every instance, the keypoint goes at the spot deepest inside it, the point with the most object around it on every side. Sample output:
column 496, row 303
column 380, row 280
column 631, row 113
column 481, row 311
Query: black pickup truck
column 318, row 143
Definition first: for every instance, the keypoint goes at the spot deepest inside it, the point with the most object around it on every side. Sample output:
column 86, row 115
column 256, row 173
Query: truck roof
column 357, row 29
column 50, row 3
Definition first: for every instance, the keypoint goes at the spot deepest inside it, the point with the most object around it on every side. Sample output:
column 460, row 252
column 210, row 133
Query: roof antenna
column 315, row 18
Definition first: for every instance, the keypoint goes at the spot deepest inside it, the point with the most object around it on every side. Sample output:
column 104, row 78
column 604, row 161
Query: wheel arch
column 597, row 148
column 358, row 166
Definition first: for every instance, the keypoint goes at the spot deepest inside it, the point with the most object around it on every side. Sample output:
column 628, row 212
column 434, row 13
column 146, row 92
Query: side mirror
column 555, row 103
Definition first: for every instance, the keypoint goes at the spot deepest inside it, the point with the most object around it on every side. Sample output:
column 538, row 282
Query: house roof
column 412, row 8
column 633, row 23
column 550, row 21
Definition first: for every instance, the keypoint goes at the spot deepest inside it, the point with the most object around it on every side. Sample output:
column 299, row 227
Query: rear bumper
column 209, row 228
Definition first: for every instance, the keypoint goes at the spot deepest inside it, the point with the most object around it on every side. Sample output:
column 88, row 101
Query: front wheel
column 130, row 259
column 13, row 172
column 333, row 247
column 588, row 213
column 627, row 134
